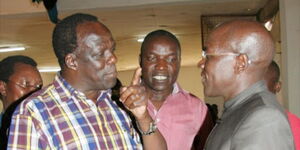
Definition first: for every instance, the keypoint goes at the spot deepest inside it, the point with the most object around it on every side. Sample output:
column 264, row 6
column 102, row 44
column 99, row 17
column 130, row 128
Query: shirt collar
column 63, row 86
column 240, row 98
column 176, row 88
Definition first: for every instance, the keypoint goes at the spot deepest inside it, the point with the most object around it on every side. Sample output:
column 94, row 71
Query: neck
column 242, row 84
column 158, row 97
column 72, row 79
column 155, row 95
column 92, row 95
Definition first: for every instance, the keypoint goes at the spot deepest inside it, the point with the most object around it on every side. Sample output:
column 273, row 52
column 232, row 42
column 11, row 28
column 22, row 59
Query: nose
column 201, row 63
column 161, row 64
column 112, row 59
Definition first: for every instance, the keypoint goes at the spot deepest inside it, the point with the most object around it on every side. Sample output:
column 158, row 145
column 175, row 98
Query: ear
column 71, row 62
column 277, row 87
column 2, row 88
column 241, row 63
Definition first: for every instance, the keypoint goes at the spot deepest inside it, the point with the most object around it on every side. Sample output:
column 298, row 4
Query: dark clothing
column 5, row 124
column 252, row 120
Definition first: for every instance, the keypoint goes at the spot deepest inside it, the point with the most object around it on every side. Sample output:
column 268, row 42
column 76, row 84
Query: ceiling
column 27, row 24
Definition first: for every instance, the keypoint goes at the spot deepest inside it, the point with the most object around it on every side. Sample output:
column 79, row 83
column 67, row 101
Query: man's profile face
column 160, row 63
column 95, row 56
column 24, row 80
column 217, row 70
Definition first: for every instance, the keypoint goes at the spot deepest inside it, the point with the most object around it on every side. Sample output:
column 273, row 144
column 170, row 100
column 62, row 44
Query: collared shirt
column 60, row 117
column 179, row 118
column 295, row 126
column 252, row 120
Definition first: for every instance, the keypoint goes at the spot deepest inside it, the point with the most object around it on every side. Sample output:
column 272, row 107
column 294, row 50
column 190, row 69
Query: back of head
column 250, row 38
column 159, row 33
column 8, row 63
column 64, row 38
column 272, row 77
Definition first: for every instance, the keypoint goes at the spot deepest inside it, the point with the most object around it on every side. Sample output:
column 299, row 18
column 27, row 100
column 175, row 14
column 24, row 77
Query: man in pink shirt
column 178, row 114
column 274, row 86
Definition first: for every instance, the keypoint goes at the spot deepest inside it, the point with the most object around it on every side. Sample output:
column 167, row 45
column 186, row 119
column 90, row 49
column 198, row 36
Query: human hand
column 134, row 97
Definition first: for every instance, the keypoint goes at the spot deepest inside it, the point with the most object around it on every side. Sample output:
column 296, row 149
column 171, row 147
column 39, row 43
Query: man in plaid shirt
column 76, row 111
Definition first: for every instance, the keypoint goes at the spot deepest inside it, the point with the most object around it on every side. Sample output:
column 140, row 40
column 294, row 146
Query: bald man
column 236, row 57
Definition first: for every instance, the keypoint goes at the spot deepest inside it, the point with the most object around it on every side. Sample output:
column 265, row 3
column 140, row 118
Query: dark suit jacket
column 253, row 120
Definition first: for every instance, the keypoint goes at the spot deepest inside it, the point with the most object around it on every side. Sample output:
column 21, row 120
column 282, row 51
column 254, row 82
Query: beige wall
column 48, row 77
column 290, row 36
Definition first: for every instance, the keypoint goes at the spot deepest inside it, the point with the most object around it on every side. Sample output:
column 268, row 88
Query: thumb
column 136, row 76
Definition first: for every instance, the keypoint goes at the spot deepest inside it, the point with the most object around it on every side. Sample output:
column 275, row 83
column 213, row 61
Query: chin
column 208, row 93
column 112, row 83
column 211, row 94
column 161, row 88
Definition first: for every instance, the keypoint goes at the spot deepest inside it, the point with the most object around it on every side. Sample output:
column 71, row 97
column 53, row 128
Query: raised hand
column 134, row 97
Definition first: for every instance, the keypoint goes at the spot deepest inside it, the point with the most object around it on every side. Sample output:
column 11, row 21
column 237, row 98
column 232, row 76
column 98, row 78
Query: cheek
column 214, row 72
column 15, row 93
column 173, row 71
column 97, row 64
column 224, row 74
column 147, row 72
column 176, row 68
column 147, row 68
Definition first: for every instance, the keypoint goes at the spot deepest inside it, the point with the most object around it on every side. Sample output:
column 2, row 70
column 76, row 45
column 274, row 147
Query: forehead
column 161, row 44
column 93, row 31
column 24, row 70
column 219, row 41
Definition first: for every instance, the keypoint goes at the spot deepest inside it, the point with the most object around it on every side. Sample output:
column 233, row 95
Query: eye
column 151, row 58
column 171, row 59
column 207, row 57
column 97, row 56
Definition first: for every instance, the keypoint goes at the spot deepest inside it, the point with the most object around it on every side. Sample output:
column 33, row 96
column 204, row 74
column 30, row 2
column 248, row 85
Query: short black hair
column 8, row 63
column 275, row 69
column 158, row 33
column 64, row 37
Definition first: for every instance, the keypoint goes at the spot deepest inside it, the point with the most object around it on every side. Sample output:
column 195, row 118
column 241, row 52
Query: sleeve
column 266, row 128
column 24, row 134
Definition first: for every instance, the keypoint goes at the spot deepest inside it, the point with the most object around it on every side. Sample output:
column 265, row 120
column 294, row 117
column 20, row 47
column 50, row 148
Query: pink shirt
column 295, row 126
column 179, row 118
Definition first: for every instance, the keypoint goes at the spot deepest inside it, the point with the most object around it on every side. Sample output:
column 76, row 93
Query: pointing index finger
column 136, row 76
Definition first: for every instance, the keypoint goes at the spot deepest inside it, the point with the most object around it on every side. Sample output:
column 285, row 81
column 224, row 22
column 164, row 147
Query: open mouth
column 160, row 77
column 112, row 74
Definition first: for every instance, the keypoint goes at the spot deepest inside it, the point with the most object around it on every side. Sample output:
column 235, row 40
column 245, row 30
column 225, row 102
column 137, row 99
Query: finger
column 123, row 89
column 140, row 102
column 135, row 101
column 125, row 93
column 136, row 76
column 130, row 101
